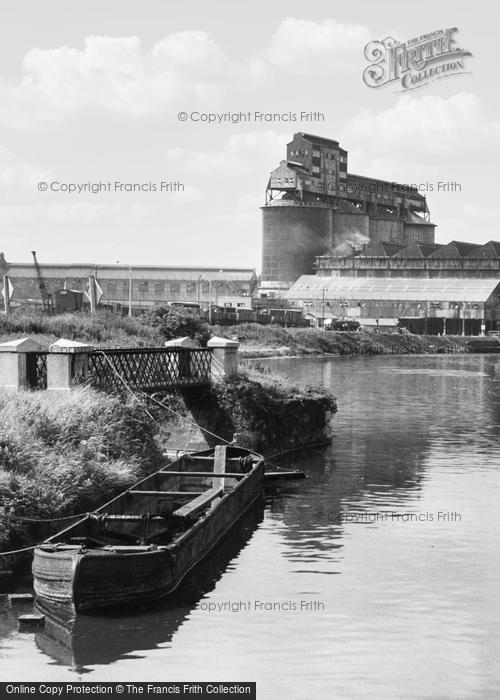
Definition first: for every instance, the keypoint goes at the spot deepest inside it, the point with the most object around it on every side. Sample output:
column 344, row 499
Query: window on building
column 159, row 287
column 190, row 287
column 175, row 287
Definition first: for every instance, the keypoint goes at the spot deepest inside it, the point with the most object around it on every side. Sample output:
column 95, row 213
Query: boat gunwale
column 76, row 556
column 200, row 519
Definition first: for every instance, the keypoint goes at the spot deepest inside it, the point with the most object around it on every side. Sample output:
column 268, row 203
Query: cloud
column 115, row 74
column 118, row 75
column 242, row 154
column 301, row 45
column 18, row 178
column 430, row 126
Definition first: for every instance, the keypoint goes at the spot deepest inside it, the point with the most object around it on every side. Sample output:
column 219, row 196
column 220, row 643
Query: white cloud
column 117, row 74
column 301, row 45
column 114, row 74
column 18, row 178
column 431, row 126
column 251, row 152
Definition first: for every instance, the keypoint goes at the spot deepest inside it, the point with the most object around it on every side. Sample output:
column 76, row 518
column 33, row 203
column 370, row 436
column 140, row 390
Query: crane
column 47, row 302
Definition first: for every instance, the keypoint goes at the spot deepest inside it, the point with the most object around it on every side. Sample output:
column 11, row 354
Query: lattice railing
column 40, row 379
column 149, row 369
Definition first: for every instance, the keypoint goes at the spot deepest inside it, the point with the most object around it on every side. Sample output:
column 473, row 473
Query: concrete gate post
column 184, row 360
column 67, row 364
column 15, row 357
column 224, row 357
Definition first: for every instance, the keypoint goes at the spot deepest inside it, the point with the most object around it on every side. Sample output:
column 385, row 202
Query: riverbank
column 105, row 329
column 273, row 341
column 67, row 453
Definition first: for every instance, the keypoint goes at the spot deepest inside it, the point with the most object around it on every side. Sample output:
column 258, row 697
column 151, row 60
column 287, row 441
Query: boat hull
column 92, row 580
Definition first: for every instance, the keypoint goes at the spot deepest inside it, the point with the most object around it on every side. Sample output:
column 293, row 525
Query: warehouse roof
column 455, row 249
column 418, row 250
column 144, row 272
column 393, row 288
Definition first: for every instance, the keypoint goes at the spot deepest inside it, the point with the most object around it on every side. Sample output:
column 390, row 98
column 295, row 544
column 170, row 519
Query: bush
column 68, row 454
column 107, row 328
column 174, row 323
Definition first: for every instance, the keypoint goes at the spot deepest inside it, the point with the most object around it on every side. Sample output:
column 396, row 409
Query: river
column 377, row 576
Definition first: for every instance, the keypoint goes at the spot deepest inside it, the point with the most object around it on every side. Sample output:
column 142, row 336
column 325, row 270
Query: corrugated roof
column 382, row 249
column 455, row 249
column 392, row 288
column 418, row 250
column 138, row 272
column 488, row 250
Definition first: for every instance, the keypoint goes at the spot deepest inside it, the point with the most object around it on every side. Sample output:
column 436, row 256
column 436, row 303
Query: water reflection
column 87, row 640
column 409, row 610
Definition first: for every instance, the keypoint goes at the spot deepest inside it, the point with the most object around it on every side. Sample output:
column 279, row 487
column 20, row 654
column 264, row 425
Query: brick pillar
column 67, row 364
column 14, row 359
column 224, row 357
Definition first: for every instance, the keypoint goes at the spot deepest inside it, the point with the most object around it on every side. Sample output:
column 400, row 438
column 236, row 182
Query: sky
column 91, row 93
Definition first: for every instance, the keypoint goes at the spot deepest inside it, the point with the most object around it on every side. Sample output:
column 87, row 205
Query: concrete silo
column 294, row 233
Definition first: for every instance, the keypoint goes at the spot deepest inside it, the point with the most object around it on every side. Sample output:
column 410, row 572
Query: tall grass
column 65, row 454
column 314, row 341
column 104, row 328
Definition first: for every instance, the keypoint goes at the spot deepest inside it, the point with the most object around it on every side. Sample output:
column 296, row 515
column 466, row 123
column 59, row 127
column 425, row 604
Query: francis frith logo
column 414, row 63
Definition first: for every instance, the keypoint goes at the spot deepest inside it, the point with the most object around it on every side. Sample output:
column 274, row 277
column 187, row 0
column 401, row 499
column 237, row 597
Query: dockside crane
column 47, row 301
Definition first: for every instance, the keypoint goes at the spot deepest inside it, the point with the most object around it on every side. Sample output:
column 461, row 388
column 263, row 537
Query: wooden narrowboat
column 138, row 547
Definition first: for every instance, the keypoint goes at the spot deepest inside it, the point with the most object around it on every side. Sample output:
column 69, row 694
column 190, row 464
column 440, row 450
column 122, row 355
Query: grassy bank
column 105, row 328
column 67, row 454
column 109, row 329
column 267, row 412
column 261, row 341
column 70, row 453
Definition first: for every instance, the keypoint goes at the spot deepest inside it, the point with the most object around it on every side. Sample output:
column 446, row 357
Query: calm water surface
column 378, row 576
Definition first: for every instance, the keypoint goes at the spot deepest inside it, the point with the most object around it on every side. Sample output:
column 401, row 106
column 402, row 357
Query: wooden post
column 92, row 292
column 6, row 294
column 219, row 469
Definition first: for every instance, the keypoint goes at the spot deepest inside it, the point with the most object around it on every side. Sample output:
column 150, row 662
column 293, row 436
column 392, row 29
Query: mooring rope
column 151, row 398
column 53, row 520
column 134, row 394
column 179, row 415
column 18, row 551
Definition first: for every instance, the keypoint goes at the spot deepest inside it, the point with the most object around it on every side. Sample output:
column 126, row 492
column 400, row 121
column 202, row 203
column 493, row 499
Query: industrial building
column 447, row 306
column 144, row 286
column 384, row 259
column 314, row 206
